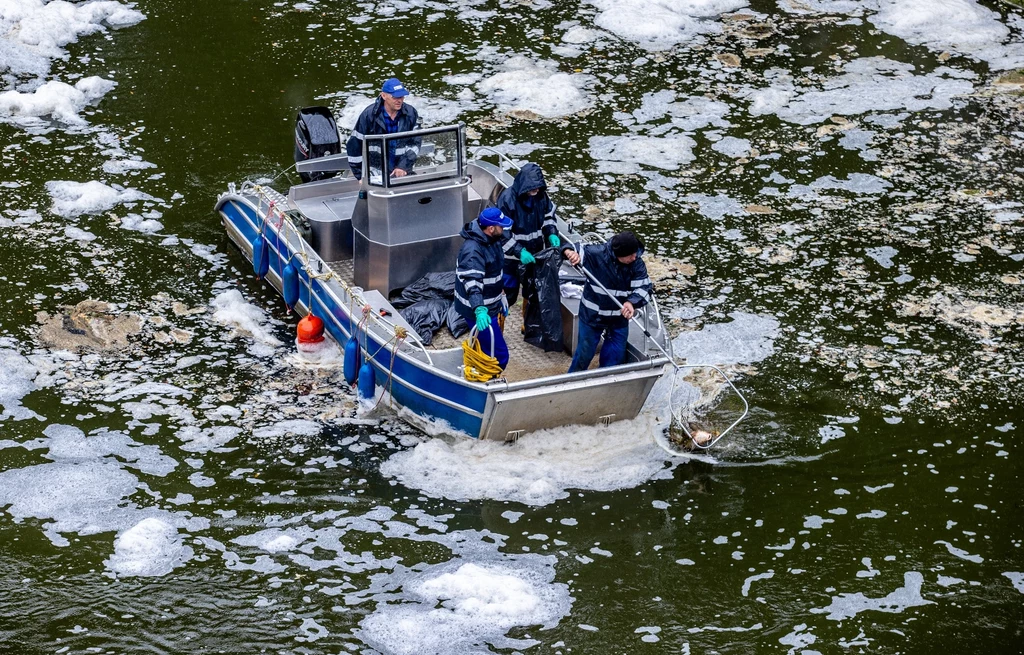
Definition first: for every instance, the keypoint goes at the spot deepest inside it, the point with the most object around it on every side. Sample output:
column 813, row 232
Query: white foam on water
column 854, row 183
column 459, row 607
column 963, row 26
column 715, row 207
column 17, row 377
column 1017, row 579
column 203, row 440
column 147, row 390
column 767, row 575
column 34, row 32
column 688, row 114
column 524, row 84
column 22, row 217
column 312, row 631
column 301, row 427
column 961, row 553
column 625, row 154
column 539, row 469
column 122, row 166
column 68, row 443
column 86, row 489
column 855, row 7
column 883, row 255
column 71, row 199
column 149, row 548
column 661, row 24
column 325, row 355
column 230, row 309
column 78, row 234
column 747, row 339
column 58, row 100
column 847, row 606
column 868, row 84
column 137, row 223
column 731, row 146
column 77, row 497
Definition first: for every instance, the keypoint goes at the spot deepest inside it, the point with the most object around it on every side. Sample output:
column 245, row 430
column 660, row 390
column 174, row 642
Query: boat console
column 394, row 229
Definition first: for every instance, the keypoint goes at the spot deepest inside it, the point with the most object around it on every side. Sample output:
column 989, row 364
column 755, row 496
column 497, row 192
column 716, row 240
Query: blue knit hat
column 493, row 216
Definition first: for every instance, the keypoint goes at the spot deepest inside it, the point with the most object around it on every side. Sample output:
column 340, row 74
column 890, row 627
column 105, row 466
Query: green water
column 869, row 504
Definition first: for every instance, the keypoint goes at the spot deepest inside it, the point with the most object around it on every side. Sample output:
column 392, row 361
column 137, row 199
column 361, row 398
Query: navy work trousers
column 613, row 352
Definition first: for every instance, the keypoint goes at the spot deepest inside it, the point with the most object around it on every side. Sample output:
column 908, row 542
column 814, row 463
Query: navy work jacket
column 625, row 282
column 478, row 273
column 402, row 153
column 533, row 219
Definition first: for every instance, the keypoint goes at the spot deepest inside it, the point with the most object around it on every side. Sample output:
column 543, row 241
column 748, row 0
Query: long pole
column 581, row 269
column 678, row 367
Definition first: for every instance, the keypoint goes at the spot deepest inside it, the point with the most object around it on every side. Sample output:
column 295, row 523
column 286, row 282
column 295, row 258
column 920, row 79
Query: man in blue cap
column 479, row 293
column 388, row 115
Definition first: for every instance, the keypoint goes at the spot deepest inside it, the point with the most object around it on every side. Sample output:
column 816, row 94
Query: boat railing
column 283, row 223
column 502, row 157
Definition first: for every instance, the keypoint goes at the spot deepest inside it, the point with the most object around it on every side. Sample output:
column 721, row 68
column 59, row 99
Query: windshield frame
column 380, row 145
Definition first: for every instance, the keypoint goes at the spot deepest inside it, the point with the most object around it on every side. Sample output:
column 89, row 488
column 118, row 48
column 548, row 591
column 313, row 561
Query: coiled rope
column 478, row 366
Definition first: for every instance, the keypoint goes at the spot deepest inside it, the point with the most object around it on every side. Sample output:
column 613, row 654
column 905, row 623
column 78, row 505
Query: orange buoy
column 310, row 329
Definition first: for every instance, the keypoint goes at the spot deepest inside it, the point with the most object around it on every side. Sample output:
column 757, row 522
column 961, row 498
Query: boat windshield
column 415, row 156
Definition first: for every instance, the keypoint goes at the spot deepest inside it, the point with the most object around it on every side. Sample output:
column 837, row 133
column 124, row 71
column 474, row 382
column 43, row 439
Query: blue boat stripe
column 465, row 418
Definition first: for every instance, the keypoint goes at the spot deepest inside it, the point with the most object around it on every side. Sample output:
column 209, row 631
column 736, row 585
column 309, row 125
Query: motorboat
column 341, row 245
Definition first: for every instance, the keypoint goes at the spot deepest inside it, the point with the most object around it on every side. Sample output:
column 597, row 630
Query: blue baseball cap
column 394, row 87
column 493, row 216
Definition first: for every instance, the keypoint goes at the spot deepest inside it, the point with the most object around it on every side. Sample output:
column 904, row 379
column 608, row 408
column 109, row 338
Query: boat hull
column 497, row 410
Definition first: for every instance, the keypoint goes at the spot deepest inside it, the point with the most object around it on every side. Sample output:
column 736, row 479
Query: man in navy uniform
column 388, row 115
column 479, row 294
column 617, row 264
column 532, row 212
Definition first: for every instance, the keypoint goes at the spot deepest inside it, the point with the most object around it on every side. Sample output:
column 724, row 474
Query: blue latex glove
column 554, row 240
column 526, row 257
column 483, row 319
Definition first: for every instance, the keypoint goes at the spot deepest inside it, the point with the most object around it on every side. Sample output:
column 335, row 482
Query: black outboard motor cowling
column 316, row 135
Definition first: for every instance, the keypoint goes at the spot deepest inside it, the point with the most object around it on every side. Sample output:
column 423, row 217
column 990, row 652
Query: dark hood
column 529, row 177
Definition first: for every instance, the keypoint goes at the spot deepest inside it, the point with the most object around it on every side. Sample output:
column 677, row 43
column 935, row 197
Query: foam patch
column 463, row 607
column 539, row 469
column 662, row 24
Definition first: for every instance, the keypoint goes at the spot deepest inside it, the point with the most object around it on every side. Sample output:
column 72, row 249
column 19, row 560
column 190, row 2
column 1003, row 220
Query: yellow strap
column 478, row 366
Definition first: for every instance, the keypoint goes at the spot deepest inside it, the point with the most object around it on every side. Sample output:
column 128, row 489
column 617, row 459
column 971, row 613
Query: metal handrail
column 501, row 156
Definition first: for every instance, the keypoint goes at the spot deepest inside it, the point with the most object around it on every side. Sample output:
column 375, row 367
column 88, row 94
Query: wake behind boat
column 369, row 238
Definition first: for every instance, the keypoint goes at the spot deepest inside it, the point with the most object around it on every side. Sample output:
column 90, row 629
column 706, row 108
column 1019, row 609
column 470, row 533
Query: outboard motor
column 316, row 135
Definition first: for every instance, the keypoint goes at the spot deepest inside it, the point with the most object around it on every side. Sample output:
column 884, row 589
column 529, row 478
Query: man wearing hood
column 479, row 294
column 616, row 264
column 526, row 202
column 388, row 115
